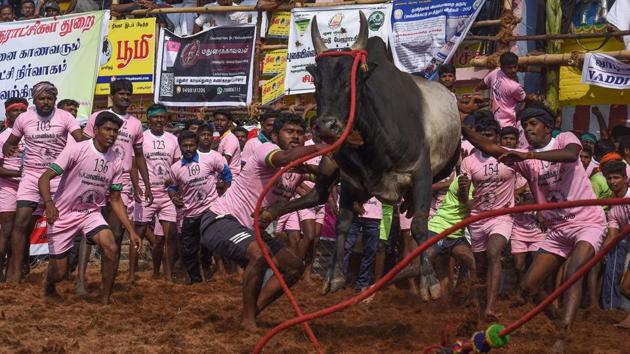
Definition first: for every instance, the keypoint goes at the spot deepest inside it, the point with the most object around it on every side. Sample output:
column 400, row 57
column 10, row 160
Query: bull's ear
column 312, row 69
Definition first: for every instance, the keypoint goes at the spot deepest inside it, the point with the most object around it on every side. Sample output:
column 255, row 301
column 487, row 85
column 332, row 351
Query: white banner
column 427, row 33
column 339, row 28
column 63, row 50
column 605, row 71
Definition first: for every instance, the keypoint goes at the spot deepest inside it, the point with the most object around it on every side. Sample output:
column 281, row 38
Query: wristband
column 530, row 155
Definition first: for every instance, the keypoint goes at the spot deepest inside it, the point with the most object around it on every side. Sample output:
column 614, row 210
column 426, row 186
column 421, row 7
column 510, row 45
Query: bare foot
column 558, row 347
column 131, row 279
column 490, row 316
column 81, row 291
column 51, row 293
column 105, row 299
column 624, row 324
column 249, row 325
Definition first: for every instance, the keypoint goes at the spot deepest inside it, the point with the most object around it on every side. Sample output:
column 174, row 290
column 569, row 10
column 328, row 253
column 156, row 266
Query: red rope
column 358, row 56
column 421, row 248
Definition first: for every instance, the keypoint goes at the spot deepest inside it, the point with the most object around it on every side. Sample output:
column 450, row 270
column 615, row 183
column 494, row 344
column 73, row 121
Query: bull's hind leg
column 420, row 204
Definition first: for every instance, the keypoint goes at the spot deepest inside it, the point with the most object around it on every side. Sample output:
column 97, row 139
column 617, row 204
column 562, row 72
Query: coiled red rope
column 359, row 56
column 421, row 248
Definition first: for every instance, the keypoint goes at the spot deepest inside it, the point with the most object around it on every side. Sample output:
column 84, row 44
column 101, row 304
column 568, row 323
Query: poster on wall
column 339, row 28
column 211, row 68
column 129, row 53
column 426, row 34
column 63, row 50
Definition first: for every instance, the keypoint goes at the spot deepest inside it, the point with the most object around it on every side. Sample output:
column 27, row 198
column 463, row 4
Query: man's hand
column 148, row 196
column 13, row 150
column 52, row 214
column 137, row 195
column 463, row 182
column 511, row 157
column 541, row 221
column 269, row 214
column 136, row 243
column 176, row 199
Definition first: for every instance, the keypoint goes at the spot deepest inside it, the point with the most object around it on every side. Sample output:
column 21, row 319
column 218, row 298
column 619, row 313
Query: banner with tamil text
column 605, row 71
column 212, row 68
column 339, row 28
column 427, row 33
column 129, row 53
column 63, row 50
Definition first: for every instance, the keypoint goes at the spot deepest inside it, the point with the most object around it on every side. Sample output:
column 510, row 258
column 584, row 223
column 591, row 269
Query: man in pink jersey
column 160, row 151
column 128, row 147
column 44, row 132
column 615, row 284
column 505, row 91
column 494, row 189
column 89, row 170
column 226, row 228
column 10, row 172
column 228, row 144
column 553, row 171
column 193, row 188
column 264, row 135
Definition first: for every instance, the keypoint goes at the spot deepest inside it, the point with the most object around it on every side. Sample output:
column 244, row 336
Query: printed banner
column 275, row 62
column 279, row 25
column 63, row 50
column 338, row 26
column 211, row 68
column 129, row 53
column 605, row 71
column 273, row 89
column 426, row 34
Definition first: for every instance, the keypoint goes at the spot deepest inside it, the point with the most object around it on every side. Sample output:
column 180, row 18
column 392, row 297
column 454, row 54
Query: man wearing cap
column 44, row 132
column 10, row 172
column 51, row 9
column 554, row 173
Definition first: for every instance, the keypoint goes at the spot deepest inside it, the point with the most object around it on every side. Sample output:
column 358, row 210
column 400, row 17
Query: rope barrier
column 358, row 56
column 421, row 248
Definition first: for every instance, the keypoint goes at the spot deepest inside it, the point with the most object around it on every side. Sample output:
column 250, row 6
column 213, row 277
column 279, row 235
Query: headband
column 611, row 156
column 16, row 105
column 156, row 110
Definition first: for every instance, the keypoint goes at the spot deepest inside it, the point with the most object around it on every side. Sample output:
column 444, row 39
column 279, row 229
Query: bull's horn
column 361, row 42
column 318, row 43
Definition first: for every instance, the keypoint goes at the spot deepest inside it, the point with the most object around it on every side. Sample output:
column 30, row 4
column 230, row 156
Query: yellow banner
column 573, row 92
column 273, row 89
column 279, row 25
column 275, row 62
column 129, row 53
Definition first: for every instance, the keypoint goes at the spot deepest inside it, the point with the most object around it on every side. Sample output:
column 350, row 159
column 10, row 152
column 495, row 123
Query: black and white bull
column 406, row 135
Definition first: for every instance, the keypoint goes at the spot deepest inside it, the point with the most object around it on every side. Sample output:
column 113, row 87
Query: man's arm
column 327, row 177
column 281, row 158
column 52, row 214
column 79, row 136
column 120, row 211
column 144, row 172
column 482, row 143
column 5, row 172
column 10, row 146
column 613, row 233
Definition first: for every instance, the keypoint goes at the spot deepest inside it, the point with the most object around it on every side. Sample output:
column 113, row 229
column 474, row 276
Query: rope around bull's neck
column 358, row 56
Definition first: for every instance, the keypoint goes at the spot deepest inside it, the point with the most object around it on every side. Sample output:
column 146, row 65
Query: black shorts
column 224, row 235
column 446, row 245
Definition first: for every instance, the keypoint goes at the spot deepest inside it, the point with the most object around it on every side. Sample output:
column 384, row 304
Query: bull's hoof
column 332, row 285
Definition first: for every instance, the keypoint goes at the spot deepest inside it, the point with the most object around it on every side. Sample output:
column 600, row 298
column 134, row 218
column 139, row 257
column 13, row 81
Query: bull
column 406, row 136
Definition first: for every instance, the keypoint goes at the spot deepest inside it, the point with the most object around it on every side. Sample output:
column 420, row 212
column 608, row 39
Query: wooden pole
column 550, row 59
column 273, row 46
column 553, row 26
column 258, row 50
column 541, row 37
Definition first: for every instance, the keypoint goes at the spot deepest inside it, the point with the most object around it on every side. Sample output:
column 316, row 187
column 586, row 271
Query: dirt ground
column 153, row 316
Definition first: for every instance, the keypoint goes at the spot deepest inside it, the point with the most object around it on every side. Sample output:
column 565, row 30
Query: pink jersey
column 129, row 135
column 240, row 199
column 592, row 166
column 248, row 150
column 43, row 138
column 561, row 181
column 525, row 226
column 160, row 153
column 619, row 215
column 229, row 147
column 467, row 148
column 373, row 209
column 196, row 181
column 87, row 176
column 506, row 94
column 493, row 182
column 12, row 162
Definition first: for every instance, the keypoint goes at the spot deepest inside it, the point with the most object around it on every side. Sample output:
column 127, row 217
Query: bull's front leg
column 420, row 204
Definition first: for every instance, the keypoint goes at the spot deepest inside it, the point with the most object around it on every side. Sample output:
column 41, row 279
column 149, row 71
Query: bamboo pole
column 541, row 37
column 553, row 26
column 273, row 46
column 258, row 49
column 550, row 59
